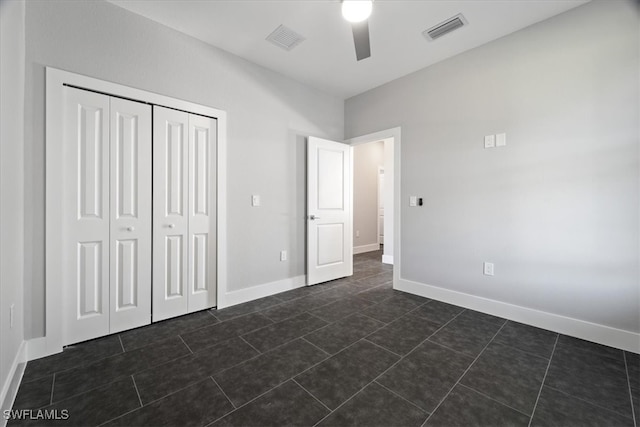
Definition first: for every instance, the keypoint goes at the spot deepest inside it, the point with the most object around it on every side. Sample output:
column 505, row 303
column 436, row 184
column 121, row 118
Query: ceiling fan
column 357, row 12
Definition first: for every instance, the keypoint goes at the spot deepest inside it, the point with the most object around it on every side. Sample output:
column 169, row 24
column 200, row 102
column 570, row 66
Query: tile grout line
column 464, row 373
column 121, row 344
column 100, row 359
column 312, row 395
column 223, row 392
column 266, row 352
column 519, row 350
column 119, row 377
column 401, row 397
column 118, row 417
column 152, row 401
column 588, row 402
column 52, row 386
column 306, row 340
column 185, row 343
column 535, row 406
column 394, row 364
column 137, row 391
column 379, row 346
column 494, row 399
column 449, row 348
column 249, row 344
column 633, row 409
column 253, row 399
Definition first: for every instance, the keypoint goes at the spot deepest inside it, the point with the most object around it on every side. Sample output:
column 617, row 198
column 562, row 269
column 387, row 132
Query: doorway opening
column 391, row 247
column 373, row 198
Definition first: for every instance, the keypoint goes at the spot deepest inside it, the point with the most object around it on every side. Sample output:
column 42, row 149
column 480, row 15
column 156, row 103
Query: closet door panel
column 202, row 213
column 130, row 245
column 86, row 213
column 170, row 212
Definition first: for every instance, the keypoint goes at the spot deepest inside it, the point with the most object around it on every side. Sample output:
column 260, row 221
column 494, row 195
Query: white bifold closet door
column 107, row 211
column 184, row 213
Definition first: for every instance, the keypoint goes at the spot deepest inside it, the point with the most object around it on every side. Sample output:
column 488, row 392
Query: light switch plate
column 489, row 141
column 255, row 200
column 501, row 140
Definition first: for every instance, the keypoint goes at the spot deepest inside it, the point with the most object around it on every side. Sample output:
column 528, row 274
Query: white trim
column 261, row 291
column 380, row 172
column 396, row 134
column 12, row 382
column 55, row 79
column 387, row 259
column 366, row 248
column 37, row 348
column 601, row 334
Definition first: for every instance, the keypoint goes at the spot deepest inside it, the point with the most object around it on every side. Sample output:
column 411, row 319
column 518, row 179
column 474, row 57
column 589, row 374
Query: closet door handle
column 171, row 225
column 130, row 228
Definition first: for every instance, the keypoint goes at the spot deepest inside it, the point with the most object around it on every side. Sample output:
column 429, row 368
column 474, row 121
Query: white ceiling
column 326, row 59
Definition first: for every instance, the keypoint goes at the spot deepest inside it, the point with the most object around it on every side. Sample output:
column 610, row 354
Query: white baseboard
column 12, row 382
column 37, row 348
column 387, row 259
column 366, row 248
column 601, row 334
column 261, row 291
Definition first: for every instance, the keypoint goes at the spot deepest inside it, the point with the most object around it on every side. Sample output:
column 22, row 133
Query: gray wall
column 12, row 51
column 557, row 209
column 366, row 160
column 268, row 116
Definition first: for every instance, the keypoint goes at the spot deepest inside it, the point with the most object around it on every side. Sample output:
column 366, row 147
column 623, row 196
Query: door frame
column 380, row 172
column 54, row 162
column 396, row 135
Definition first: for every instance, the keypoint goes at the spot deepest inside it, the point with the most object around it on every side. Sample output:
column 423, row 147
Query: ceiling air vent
column 285, row 38
column 445, row 27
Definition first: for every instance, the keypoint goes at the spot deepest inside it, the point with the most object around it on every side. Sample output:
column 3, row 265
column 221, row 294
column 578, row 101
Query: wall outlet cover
column 489, row 141
column 488, row 269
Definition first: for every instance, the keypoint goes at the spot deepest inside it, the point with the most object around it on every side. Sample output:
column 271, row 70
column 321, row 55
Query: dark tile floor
column 348, row 352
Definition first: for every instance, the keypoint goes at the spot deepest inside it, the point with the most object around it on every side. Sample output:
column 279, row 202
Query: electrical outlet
column 11, row 310
column 488, row 269
column 501, row 140
column 255, row 200
column 413, row 200
column 283, row 255
column 357, row 233
column 489, row 141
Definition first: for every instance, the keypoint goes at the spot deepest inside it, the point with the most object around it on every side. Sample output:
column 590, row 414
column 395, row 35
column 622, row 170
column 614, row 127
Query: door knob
column 312, row 217
column 130, row 228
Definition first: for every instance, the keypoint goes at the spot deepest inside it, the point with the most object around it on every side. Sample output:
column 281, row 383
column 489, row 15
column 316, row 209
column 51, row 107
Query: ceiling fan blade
column 361, row 39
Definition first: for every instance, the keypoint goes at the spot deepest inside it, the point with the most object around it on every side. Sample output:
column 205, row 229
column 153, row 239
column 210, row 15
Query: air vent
column 445, row 27
column 285, row 38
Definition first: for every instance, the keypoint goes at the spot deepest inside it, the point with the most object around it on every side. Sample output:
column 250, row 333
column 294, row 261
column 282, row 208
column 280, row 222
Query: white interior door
column 329, row 210
column 170, row 212
column 86, row 216
column 130, row 242
column 202, row 213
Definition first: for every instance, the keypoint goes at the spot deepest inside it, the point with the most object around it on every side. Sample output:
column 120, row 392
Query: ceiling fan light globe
column 356, row 10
